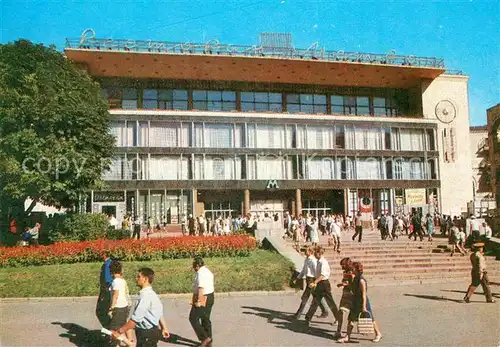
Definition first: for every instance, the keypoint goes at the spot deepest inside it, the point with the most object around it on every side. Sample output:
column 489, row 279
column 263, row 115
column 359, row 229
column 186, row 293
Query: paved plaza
column 417, row 315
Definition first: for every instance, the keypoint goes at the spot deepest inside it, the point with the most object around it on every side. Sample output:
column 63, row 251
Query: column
column 194, row 193
column 298, row 201
column 246, row 202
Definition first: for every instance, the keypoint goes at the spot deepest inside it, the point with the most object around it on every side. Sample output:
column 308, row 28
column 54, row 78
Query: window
column 164, row 167
column 340, row 136
column 218, row 135
column 273, row 167
column 431, row 142
column 367, row 138
column 222, row 168
column 385, row 107
column 261, row 102
column 306, row 103
column 272, row 136
column 398, row 169
column 411, row 139
column 319, row 137
column 368, row 168
column 213, row 100
column 165, row 99
column 387, row 138
column 320, row 168
column 129, row 98
column 388, row 170
column 115, row 169
column 350, row 105
column 164, row 134
column 118, row 130
column 346, row 168
column 431, row 169
column 113, row 95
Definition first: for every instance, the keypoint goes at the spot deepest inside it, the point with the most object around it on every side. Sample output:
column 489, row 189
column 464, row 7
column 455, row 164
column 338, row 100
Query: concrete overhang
column 252, row 69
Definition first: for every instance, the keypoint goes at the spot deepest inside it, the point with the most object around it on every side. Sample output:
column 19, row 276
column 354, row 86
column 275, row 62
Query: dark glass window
column 430, row 140
column 165, row 99
column 214, row 100
column 129, row 98
column 432, row 169
column 388, row 170
column 306, row 103
column 350, row 105
column 384, row 107
column 340, row 136
column 261, row 102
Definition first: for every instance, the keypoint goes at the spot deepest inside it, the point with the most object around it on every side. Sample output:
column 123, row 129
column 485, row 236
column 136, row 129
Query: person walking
column 104, row 298
column 479, row 274
column 309, row 273
column 321, row 286
column 454, row 240
column 359, row 227
column 202, row 302
column 35, row 233
column 137, row 227
column 430, row 226
column 347, row 296
column 147, row 318
column 361, row 304
column 120, row 300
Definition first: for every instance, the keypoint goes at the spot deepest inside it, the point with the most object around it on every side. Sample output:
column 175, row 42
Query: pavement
column 416, row 315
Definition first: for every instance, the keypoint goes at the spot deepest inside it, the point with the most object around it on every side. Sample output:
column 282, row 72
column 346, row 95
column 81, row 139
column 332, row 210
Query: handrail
column 88, row 41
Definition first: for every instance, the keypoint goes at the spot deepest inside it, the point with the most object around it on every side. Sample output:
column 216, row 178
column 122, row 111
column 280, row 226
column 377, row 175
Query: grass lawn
column 262, row 270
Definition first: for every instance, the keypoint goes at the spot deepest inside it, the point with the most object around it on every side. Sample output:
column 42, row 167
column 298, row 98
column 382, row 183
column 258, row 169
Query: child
column 120, row 299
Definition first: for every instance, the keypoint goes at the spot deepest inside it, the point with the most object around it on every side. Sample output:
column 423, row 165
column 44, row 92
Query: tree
column 54, row 129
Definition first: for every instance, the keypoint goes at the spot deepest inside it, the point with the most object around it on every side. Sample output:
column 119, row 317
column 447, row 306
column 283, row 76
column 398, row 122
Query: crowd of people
column 142, row 324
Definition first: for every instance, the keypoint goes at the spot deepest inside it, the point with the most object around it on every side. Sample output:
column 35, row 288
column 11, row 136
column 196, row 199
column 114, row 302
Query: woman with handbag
column 361, row 306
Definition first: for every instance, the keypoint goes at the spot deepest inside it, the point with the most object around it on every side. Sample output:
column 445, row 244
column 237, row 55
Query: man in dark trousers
column 104, row 299
column 322, row 287
column 147, row 318
column 478, row 273
column 202, row 303
column 358, row 224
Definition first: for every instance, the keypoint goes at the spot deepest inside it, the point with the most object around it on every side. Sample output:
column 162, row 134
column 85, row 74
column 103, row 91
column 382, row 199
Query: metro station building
column 223, row 129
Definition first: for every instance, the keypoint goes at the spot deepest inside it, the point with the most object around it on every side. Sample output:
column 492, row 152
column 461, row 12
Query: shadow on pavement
column 496, row 295
column 179, row 340
column 434, row 297
column 81, row 336
column 285, row 320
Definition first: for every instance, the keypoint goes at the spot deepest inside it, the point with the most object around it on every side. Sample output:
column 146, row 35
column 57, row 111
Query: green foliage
column 81, row 227
column 117, row 234
column 54, row 138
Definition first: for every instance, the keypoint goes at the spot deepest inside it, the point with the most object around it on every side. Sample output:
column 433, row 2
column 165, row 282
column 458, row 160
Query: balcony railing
column 88, row 41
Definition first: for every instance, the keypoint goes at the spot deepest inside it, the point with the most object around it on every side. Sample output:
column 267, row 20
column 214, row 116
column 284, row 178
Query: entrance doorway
column 109, row 210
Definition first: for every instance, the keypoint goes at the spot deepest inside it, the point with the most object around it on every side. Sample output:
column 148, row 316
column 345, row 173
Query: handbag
column 365, row 325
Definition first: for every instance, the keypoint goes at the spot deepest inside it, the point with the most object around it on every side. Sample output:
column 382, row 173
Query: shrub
column 81, row 227
column 117, row 234
column 128, row 250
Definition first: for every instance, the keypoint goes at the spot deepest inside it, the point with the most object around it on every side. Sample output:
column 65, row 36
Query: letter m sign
column 272, row 184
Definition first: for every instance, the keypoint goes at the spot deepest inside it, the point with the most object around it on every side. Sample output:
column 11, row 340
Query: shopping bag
column 365, row 324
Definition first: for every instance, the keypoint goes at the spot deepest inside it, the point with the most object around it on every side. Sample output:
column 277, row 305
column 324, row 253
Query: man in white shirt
column 309, row 273
column 321, row 286
column 202, row 303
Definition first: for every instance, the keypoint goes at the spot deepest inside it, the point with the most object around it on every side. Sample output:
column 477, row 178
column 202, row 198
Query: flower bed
column 128, row 250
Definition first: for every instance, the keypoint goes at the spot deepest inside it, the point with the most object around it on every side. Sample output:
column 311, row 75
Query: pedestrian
column 335, row 230
column 147, row 318
column 430, row 226
column 479, row 274
column 137, row 228
column 35, row 233
column 321, row 286
column 347, row 296
column 359, row 227
column 120, row 300
column 104, row 298
column 191, row 225
column 313, row 231
column 454, row 240
column 361, row 304
column 202, row 302
column 309, row 273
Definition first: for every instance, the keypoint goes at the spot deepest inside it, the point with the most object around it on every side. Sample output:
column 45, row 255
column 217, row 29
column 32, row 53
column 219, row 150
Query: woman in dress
column 361, row 304
column 313, row 232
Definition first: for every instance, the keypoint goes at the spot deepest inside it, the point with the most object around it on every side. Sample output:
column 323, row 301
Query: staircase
column 403, row 261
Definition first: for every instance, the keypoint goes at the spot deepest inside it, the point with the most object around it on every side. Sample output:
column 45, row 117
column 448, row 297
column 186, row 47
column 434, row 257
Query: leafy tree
column 54, row 129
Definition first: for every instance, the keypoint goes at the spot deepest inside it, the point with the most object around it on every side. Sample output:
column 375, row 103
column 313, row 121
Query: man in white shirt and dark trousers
column 322, row 286
column 203, row 301
column 309, row 272
column 147, row 318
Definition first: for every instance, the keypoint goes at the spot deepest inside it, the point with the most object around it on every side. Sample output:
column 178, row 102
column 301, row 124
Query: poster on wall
column 415, row 197
column 449, row 145
column 365, row 204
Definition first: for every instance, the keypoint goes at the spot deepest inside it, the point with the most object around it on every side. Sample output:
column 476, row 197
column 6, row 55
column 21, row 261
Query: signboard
column 415, row 197
column 272, row 184
column 109, row 196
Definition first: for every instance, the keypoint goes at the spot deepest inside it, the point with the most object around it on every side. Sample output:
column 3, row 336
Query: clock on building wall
column 445, row 111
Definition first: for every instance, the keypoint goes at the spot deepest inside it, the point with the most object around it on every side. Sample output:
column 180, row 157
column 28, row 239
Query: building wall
column 483, row 201
column 494, row 149
column 455, row 155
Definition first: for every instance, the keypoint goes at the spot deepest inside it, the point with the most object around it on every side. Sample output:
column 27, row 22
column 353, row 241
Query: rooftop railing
column 88, row 41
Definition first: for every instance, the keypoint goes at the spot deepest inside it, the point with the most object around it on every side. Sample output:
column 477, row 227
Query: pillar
column 194, row 193
column 298, row 201
column 246, row 202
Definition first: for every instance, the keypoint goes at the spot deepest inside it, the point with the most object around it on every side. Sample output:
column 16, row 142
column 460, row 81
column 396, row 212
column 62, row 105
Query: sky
column 465, row 33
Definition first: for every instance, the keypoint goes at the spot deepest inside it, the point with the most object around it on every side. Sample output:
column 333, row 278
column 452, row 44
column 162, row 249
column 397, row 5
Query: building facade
column 483, row 201
column 493, row 117
column 222, row 129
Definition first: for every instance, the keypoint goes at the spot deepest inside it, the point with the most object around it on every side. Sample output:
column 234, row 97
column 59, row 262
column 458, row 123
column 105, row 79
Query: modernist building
column 219, row 129
column 483, row 198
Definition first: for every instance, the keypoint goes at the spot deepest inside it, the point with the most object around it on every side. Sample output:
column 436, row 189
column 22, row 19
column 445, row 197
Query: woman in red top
column 347, row 295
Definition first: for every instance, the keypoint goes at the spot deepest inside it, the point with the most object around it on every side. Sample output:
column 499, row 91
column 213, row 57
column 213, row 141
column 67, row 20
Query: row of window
column 220, row 135
column 252, row 167
column 215, row 100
